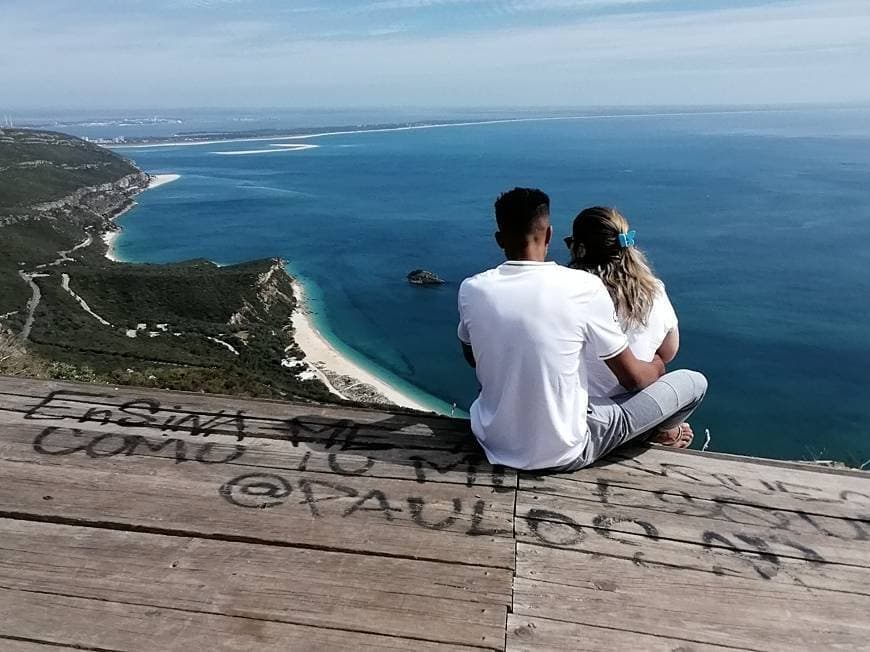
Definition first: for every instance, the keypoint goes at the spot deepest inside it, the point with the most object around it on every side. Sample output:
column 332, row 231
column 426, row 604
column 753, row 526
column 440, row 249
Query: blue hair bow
column 627, row 239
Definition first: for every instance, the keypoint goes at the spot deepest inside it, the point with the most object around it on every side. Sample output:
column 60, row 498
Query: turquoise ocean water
column 758, row 222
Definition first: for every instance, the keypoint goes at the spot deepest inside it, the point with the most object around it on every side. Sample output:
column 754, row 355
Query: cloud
column 505, row 6
column 388, row 30
column 263, row 53
column 207, row 4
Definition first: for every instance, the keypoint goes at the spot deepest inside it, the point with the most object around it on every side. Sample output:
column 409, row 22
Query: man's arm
column 469, row 354
column 462, row 331
column 634, row 374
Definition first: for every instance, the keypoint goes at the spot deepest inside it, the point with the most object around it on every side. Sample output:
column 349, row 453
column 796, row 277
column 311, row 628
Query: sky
column 457, row 53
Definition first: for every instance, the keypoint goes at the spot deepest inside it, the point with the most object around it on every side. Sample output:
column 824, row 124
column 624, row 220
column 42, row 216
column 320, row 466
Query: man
column 524, row 326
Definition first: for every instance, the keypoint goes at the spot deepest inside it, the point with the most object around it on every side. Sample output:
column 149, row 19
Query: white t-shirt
column 529, row 324
column 644, row 341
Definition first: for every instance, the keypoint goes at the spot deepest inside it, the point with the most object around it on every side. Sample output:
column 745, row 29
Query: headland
column 71, row 309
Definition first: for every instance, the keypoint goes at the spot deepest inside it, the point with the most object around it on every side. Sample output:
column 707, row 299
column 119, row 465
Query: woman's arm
column 671, row 344
column 634, row 374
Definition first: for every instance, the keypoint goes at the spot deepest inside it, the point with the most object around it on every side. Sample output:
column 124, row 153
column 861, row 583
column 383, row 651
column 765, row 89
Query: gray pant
column 615, row 421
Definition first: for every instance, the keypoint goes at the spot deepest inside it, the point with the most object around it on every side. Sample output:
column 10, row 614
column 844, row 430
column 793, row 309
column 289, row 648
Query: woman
column 603, row 244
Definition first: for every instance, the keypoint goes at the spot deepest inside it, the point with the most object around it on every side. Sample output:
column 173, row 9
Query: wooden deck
column 148, row 520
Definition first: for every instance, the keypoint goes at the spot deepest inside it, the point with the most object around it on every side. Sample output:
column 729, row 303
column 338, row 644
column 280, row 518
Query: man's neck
column 528, row 254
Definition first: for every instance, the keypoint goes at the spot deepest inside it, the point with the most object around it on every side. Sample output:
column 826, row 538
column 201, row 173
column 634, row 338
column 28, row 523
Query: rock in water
column 422, row 277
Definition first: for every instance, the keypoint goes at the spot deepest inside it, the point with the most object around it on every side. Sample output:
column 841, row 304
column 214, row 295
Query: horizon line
column 437, row 125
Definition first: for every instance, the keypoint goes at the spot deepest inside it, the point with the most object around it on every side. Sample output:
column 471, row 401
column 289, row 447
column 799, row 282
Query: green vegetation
column 15, row 360
column 42, row 166
column 163, row 291
column 191, row 326
column 24, row 246
column 168, row 324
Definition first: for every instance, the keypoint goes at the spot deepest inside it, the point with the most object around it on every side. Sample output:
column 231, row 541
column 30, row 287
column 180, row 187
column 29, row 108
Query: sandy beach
column 109, row 237
column 161, row 179
column 344, row 378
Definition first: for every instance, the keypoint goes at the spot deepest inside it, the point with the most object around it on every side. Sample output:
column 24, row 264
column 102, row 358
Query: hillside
column 66, row 311
column 39, row 167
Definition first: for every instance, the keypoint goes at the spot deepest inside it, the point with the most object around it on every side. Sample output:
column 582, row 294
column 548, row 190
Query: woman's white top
column 643, row 341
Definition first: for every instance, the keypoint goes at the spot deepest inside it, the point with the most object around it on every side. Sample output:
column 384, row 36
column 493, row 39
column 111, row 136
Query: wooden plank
column 203, row 403
column 448, row 603
column 238, row 418
column 13, row 645
column 384, row 490
column 745, row 561
column 725, row 507
column 531, row 634
column 52, row 442
column 443, row 522
column 537, row 557
column 738, row 480
column 775, row 532
column 101, row 625
column 680, row 603
column 796, row 465
column 684, row 504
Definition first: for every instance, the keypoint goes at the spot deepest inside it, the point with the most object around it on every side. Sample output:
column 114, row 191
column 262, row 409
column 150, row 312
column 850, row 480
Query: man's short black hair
column 517, row 210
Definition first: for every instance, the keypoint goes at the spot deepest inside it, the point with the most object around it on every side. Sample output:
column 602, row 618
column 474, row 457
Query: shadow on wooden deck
column 149, row 520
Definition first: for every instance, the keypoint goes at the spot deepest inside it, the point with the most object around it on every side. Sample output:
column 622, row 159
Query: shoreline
column 343, row 377
column 432, row 125
column 111, row 235
column 334, row 368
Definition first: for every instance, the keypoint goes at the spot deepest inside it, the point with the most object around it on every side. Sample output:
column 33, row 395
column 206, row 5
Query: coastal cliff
column 68, row 312
column 86, row 206
column 51, row 176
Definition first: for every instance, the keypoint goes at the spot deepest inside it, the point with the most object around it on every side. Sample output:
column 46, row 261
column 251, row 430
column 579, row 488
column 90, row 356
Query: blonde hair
column 625, row 271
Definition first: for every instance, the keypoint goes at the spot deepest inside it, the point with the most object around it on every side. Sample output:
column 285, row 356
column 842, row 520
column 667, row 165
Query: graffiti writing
column 60, row 441
column 270, row 490
column 137, row 413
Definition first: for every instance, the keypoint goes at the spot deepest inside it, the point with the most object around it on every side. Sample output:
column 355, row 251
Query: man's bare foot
column 678, row 437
